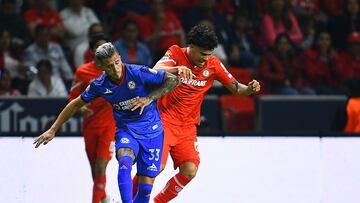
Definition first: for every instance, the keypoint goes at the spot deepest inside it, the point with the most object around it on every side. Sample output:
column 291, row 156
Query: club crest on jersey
column 206, row 73
column 131, row 85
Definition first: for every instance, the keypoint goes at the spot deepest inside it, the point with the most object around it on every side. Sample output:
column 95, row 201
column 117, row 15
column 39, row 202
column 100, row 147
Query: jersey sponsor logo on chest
column 124, row 105
column 198, row 83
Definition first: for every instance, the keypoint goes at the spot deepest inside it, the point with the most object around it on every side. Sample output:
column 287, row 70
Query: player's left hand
column 253, row 86
column 141, row 102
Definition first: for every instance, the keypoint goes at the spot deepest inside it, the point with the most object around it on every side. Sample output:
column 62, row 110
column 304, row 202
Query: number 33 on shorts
column 154, row 154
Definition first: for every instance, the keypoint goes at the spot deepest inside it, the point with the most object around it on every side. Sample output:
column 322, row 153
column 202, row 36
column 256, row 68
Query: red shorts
column 99, row 143
column 181, row 143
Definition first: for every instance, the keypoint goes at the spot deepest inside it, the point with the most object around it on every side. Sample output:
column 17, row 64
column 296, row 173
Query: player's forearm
column 171, row 82
column 169, row 69
column 70, row 109
column 239, row 89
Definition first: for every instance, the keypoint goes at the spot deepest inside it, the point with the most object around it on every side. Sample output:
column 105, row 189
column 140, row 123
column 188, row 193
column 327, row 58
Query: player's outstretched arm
column 171, row 82
column 70, row 109
column 176, row 70
column 240, row 89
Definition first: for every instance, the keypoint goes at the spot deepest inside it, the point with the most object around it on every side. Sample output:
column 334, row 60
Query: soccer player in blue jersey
column 139, row 134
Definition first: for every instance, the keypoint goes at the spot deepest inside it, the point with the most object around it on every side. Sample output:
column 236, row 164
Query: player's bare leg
column 99, row 176
column 125, row 157
column 187, row 172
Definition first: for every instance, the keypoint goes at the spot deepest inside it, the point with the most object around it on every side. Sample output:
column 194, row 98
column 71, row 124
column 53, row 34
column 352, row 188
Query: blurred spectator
column 322, row 64
column 12, row 22
column 6, row 88
column 279, row 19
column 7, row 60
column 219, row 51
column 45, row 83
column 163, row 29
column 351, row 58
column 332, row 7
column 341, row 26
column 262, row 6
column 43, row 49
column 252, row 9
column 100, row 6
column 82, row 53
column 130, row 48
column 123, row 8
column 280, row 70
column 207, row 10
column 41, row 13
column 309, row 28
column 305, row 7
column 180, row 7
column 77, row 20
column 241, row 52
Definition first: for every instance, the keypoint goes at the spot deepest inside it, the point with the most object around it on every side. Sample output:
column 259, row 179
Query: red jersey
column 351, row 65
column 103, row 115
column 49, row 19
column 169, row 33
column 182, row 105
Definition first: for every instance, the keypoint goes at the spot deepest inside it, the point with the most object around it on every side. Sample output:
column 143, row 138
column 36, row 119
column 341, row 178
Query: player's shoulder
column 135, row 69
column 99, row 81
column 176, row 49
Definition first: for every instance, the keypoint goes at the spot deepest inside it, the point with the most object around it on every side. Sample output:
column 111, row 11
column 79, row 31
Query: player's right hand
column 46, row 137
column 186, row 72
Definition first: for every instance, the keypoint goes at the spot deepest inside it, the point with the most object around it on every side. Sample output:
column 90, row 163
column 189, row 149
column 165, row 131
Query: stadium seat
column 241, row 74
column 245, row 76
column 237, row 113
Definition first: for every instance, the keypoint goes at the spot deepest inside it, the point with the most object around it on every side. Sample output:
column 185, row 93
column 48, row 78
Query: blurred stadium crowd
column 291, row 46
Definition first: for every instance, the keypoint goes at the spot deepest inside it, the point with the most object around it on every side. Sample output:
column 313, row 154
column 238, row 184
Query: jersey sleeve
column 222, row 74
column 77, row 86
column 151, row 76
column 90, row 93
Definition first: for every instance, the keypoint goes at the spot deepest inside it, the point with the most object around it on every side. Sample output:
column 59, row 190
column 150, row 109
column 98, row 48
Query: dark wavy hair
column 96, row 38
column 202, row 36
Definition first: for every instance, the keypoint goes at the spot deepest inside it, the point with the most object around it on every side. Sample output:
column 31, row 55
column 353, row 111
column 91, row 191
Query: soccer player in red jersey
column 98, row 125
column 180, row 109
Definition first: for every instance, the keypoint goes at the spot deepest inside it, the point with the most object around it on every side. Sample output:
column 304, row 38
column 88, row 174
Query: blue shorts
column 147, row 151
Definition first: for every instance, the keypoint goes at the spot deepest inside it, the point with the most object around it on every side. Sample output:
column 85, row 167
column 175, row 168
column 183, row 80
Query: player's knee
column 125, row 152
column 189, row 170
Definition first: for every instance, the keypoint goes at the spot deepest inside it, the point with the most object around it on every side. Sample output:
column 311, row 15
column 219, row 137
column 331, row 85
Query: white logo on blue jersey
column 107, row 91
column 131, row 85
column 124, row 105
column 155, row 126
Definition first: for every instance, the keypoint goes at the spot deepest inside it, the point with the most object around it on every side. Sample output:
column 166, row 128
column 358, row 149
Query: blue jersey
column 135, row 83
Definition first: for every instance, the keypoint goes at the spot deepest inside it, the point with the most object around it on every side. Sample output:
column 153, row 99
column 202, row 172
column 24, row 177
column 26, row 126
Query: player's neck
column 188, row 56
